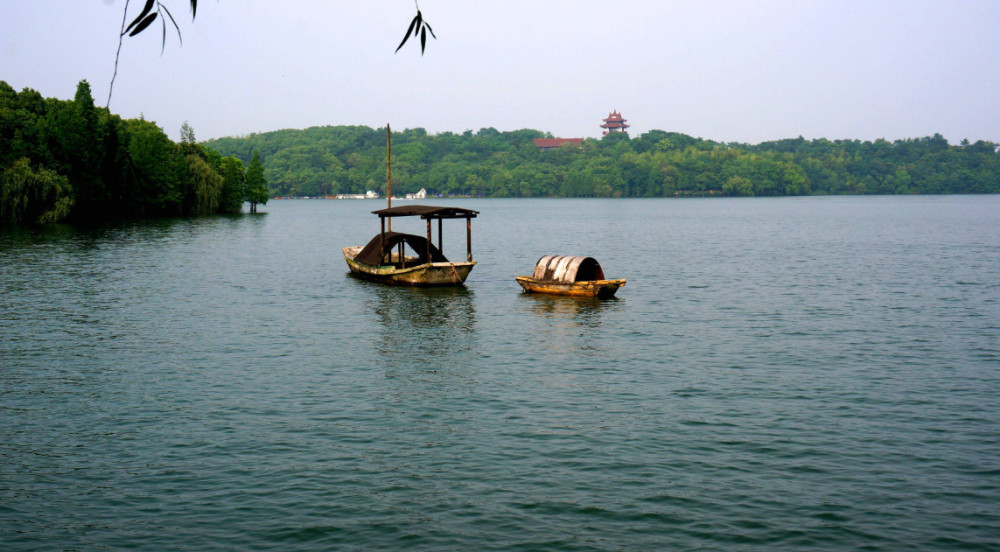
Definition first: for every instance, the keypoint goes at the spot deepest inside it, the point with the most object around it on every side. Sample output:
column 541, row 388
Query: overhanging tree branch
column 146, row 18
column 152, row 9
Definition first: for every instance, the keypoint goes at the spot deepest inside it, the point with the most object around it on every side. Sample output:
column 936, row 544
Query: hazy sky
column 731, row 71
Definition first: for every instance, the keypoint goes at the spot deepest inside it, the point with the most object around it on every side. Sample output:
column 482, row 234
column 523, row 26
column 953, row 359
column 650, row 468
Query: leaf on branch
column 408, row 31
column 145, row 23
column 176, row 28
column 418, row 27
column 145, row 11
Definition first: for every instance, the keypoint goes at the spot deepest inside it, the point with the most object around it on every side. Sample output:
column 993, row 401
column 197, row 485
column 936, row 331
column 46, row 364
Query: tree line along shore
column 332, row 160
column 67, row 160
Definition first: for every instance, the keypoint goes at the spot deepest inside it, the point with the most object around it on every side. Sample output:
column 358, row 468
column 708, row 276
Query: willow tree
column 35, row 196
column 205, row 185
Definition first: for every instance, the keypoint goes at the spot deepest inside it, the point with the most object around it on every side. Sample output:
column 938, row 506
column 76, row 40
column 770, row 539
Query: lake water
column 778, row 374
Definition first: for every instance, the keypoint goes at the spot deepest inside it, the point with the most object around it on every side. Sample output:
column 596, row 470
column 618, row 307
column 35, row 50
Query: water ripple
column 796, row 374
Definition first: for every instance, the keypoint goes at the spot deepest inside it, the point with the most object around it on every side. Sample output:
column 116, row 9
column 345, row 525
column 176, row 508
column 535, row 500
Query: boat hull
column 588, row 288
column 426, row 274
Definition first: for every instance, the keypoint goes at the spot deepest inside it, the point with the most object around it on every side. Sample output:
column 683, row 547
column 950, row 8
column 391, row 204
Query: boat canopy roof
column 566, row 268
column 426, row 212
column 373, row 254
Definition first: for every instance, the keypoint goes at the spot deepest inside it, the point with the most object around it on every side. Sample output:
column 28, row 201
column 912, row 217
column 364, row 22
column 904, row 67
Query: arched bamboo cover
column 566, row 268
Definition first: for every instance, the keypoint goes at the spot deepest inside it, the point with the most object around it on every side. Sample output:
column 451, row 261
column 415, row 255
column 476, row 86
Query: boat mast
column 388, row 170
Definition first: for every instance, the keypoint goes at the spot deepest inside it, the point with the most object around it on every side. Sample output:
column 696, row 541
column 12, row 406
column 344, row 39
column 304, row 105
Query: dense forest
column 69, row 160
column 324, row 161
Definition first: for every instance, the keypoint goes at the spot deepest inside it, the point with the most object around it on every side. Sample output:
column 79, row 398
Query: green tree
column 155, row 172
column 187, row 134
column 795, row 180
column 256, row 184
column 737, row 186
column 75, row 146
column 33, row 196
column 206, row 185
column 901, row 181
column 233, row 181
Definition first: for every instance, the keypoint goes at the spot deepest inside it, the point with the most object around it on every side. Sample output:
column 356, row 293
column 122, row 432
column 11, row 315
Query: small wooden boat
column 386, row 258
column 566, row 275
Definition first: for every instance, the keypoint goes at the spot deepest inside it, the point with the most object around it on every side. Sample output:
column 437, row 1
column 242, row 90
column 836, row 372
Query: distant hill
column 322, row 161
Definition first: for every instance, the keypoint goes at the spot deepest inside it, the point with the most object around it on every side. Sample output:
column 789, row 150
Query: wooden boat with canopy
column 567, row 275
column 410, row 259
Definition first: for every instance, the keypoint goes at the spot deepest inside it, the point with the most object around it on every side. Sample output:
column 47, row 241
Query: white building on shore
column 370, row 194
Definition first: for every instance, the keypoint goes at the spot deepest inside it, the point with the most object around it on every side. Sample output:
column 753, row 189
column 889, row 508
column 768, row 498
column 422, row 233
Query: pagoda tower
column 615, row 123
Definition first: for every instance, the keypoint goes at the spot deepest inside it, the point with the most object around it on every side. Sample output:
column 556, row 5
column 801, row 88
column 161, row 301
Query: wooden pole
column 388, row 169
column 468, row 239
column 382, row 244
column 428, row 248
column 440, row 233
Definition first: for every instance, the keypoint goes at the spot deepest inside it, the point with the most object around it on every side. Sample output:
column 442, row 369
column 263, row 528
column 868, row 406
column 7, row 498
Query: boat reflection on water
column 422, row 326
column 568, row 323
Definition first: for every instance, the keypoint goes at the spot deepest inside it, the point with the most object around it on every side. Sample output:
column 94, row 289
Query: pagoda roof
column 614, row 116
